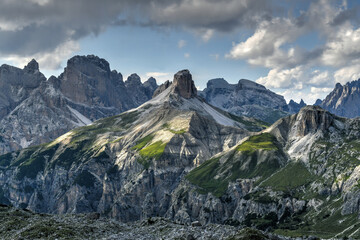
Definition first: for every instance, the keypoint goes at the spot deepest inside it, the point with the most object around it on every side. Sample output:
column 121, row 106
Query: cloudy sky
column 299, row 49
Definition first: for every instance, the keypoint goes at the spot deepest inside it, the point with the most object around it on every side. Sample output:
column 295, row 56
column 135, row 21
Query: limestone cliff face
column 343, row 100
column 162, row 88
column 184, row 85
column 16, row 85
column 35, row 111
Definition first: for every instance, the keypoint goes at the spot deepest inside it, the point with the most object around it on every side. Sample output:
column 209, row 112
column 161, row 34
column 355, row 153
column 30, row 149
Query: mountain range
column 178, row 157
column 36, row 110
column 87, row 141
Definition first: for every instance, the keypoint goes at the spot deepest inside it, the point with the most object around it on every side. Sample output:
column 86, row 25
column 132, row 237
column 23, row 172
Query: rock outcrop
column 184, row 85
column 162, row 88
column 344, row 100
column 16, row 85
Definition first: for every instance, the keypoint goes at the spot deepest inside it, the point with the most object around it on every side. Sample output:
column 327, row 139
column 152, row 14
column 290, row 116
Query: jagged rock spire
column 32, row 66
column 184, row 85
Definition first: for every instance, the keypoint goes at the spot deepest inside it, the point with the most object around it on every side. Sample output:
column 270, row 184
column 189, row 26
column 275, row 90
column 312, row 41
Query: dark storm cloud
column 35, row 26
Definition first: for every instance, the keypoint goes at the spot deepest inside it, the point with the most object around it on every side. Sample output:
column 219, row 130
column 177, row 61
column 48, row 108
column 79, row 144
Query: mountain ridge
column 343, row 100
column 43, row 109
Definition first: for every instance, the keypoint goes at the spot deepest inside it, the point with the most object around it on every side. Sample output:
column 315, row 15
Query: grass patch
column 148, row 152
column 33, row 161
column 264, row 141
column 73, row 153
column 181, row 131
column 154, row 150
column 290, row 177
column 254, row 125
column 168, row 128
column 204, row 177
column 143, row 142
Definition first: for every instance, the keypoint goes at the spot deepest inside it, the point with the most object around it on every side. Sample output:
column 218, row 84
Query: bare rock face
column 313, row 118
column 150, row 87
column 246, row 98
column 344, row 100
column 184, row 85
column 88, row 80
column 32, row 66
column 139, row 93
column 16, row 85
column 162, row 88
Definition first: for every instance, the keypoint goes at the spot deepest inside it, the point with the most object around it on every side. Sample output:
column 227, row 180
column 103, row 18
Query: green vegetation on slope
column 293, row 175
column 254, row 125
column 204, row 177
column 82, row 147
column 143, row 142
column 264, row 141
column 212, row 176
column 168, row 128
column 148, row 152
column 154, row 150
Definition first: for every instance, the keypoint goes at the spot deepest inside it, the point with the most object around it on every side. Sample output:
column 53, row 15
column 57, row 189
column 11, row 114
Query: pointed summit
column 32, row 66
column 133, row 79
column 184, row 85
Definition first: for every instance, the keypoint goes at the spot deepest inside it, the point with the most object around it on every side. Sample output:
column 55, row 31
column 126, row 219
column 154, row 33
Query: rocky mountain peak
column 162, row 88
column 184, row 85
column 32, row 66
column 313, row 118
column 247, row 84
column 338, row 85
column 133, row 79
column 218, row 83
column 318, row 102
column 344, row 100
column 151, row 81
column 82, row 63
column 295, row 107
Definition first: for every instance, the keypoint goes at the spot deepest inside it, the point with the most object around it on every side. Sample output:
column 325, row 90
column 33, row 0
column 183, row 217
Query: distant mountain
column 34, row 110
column 246, row 98
column 343, row 100
column 294, row 107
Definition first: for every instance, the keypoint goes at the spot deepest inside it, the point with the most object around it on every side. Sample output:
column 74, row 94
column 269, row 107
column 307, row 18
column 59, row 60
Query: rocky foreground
column 23, row 224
